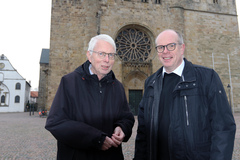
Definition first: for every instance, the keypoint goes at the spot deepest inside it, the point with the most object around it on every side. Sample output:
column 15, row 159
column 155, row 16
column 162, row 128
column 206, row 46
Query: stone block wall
column 208, row 29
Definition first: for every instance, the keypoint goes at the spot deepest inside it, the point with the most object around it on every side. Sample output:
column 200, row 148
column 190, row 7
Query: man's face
column 101, row 67
column 170, row 59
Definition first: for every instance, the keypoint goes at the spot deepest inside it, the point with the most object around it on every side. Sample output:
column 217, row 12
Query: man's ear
column 89, row 56
column 183, row 48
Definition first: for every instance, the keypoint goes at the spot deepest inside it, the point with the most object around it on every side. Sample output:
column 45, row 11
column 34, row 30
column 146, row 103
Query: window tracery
column 133, row 45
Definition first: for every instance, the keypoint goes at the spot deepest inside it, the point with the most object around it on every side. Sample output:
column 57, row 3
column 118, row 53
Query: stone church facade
column 209, row 28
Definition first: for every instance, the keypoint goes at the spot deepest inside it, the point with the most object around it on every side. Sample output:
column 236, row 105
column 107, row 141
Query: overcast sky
column 24, row 32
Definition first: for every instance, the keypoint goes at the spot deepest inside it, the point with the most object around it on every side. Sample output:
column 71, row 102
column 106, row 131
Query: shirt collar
column 90, row 66
column 178, row 71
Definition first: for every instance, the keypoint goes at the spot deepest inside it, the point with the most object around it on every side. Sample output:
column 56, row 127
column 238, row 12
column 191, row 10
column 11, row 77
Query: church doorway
column 135, row 97
column 134, row 45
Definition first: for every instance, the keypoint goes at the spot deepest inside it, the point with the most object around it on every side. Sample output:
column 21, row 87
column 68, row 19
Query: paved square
column 23, row 137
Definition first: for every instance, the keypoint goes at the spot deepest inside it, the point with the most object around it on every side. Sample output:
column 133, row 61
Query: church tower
column 209, row 28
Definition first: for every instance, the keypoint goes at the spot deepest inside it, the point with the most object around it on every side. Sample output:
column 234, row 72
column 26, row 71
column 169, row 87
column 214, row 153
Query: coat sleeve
column 68, row 131
column 222, row 121
column 126, row 119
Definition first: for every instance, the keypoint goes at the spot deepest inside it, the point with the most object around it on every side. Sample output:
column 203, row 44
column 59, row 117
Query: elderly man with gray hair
column 90, row 116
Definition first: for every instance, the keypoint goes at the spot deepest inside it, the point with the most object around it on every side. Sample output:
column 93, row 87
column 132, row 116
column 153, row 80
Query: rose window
column 133, row 45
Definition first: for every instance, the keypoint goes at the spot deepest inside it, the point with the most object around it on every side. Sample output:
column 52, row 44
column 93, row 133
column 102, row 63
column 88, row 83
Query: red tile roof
column 34, row 94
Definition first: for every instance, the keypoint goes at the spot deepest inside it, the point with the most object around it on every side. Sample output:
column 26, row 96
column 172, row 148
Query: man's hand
column 118, row 136
column 116, row 139
column 108, row 143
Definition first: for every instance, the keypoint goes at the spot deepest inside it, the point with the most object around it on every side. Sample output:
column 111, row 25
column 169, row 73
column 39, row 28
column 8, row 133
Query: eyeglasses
column 102, row 55
column 170, row 47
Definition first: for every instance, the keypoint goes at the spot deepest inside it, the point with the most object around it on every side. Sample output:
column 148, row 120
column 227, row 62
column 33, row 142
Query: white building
column 14, row 89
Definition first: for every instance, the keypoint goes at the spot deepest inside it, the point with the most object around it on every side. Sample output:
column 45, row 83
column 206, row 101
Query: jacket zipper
column 186, row 107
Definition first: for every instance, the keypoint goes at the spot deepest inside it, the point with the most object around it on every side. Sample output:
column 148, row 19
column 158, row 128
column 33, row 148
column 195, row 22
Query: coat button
column 100, row 91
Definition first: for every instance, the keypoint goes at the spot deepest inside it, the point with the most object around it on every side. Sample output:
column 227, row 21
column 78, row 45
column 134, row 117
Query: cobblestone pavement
column 23, row 137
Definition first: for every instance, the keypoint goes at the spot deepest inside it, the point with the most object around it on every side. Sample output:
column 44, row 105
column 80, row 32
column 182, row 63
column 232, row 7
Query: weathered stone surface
column 210, row 33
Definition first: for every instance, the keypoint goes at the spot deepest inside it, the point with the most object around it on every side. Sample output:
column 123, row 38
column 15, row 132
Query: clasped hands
column 116, row 139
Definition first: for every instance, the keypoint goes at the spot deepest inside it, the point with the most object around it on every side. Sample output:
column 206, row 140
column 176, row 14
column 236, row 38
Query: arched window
column 17, row 99
column 3, row 99
column 133, row 45
column 18, row 86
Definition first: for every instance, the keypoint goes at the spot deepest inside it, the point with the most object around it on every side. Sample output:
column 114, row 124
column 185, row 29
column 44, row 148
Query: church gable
column 12, row 88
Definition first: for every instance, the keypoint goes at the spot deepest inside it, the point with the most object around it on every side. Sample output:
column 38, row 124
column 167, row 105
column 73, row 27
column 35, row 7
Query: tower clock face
column 2, row 65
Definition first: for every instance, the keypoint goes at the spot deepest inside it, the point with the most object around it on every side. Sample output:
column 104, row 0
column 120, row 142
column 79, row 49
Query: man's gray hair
column 180, row 38
column 103, row 37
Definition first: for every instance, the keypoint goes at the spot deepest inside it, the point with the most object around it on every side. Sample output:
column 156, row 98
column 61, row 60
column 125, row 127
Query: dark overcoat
column 85, row 111
column 202, row 126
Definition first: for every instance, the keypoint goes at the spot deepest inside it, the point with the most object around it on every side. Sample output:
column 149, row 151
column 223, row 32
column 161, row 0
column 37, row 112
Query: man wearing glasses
column 90, row 116
column 184, row 113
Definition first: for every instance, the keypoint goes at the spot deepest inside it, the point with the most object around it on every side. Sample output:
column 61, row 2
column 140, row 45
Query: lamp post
column 229, row 88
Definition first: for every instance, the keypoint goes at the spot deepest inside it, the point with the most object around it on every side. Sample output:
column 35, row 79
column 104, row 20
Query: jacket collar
column 84, row 71
column 189, row 74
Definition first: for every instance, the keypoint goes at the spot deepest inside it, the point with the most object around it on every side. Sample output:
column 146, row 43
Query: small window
column 18, row 86
column 17, row 99
column 145, row 1
column 215, row 1
column 3, row 99
column 158, row 1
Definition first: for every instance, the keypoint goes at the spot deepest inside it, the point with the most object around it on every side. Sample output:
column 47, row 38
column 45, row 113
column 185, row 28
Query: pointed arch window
column 215, row 1
column 17, row 99
column 158, row 1
column 18, row 86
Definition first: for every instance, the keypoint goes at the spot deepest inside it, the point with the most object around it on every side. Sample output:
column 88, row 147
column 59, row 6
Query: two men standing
column 184, row 113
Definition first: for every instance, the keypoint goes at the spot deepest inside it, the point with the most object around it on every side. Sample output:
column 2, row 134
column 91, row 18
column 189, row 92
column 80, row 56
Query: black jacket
column 202, row 126
column 85, row 111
